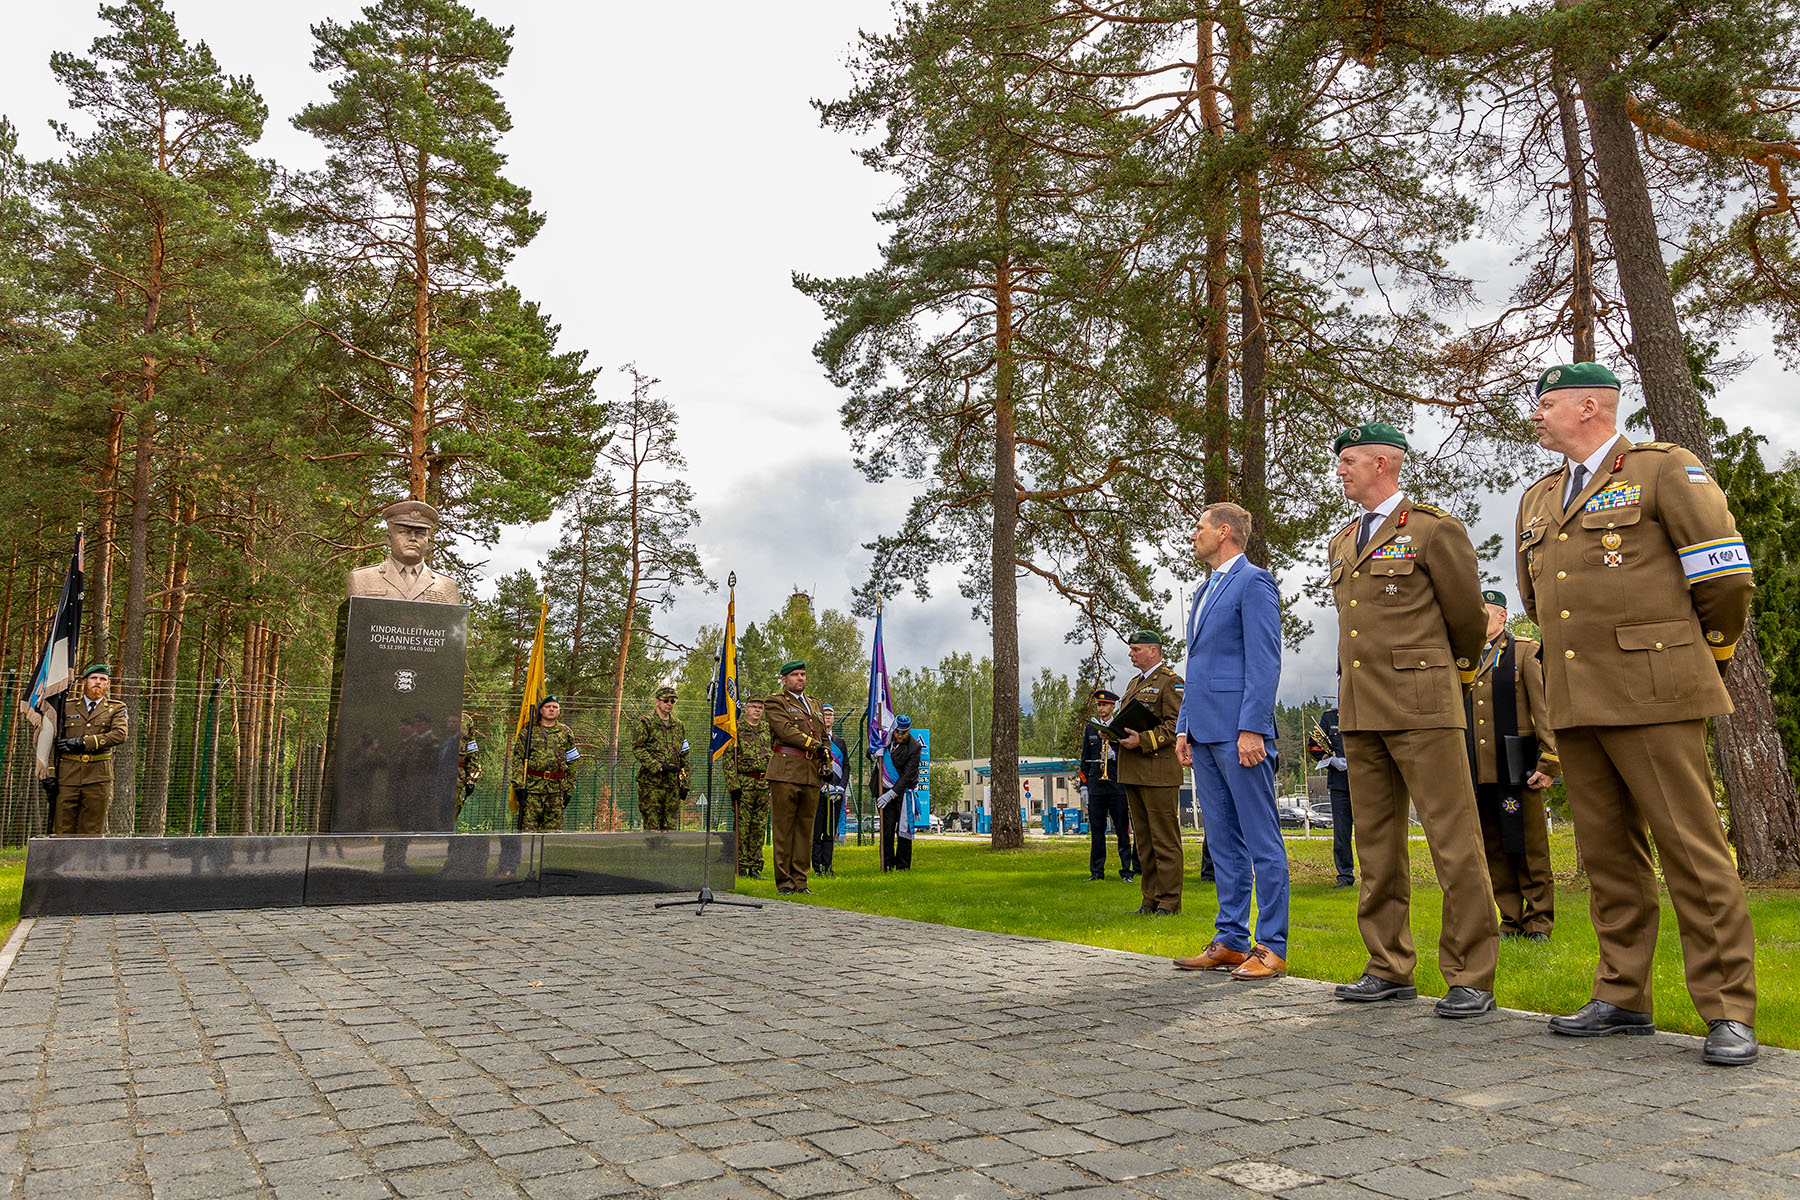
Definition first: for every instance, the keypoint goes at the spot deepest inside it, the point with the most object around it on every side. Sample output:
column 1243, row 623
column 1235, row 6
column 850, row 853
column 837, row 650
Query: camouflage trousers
column 659, row 802
column 752, row 820
column 543, row 809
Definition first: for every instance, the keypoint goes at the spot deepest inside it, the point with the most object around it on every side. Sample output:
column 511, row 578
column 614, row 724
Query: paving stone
column 398, row 1049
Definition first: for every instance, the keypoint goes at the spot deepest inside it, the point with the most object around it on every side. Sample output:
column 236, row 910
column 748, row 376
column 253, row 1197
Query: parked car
column 1321, row 813
column 1295, row 815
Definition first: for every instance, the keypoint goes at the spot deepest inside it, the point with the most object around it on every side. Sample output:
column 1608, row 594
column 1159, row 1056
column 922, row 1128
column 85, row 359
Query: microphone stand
column 706, row 896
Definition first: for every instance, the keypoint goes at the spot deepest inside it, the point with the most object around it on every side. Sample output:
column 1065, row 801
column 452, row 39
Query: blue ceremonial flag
column 724, row 707
column 56, row 668
column 881, row 713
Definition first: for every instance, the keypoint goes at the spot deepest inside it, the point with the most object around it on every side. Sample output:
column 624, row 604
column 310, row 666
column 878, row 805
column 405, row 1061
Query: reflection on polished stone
column 397, row 867
column 599, row 864
column 64, row 876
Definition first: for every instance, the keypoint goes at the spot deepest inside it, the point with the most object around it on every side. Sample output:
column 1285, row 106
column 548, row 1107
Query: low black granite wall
column 67, row 876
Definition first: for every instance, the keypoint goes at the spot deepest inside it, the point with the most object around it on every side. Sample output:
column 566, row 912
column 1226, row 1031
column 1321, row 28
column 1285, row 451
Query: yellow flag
column 724, row 713
column 534, row 677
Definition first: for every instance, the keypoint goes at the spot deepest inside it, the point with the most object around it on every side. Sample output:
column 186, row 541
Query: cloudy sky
column 685, row 177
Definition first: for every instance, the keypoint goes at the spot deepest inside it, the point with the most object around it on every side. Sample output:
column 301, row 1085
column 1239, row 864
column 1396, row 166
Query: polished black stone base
column 66, row 876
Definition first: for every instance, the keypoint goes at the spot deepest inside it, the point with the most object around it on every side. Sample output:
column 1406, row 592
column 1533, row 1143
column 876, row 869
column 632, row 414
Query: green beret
column 411, row 512
column 1145, row 637
column 1374, row 433
column 1576, row 375
column 792, row 664
column 549, row 700
column 97, row 669
column 665, row 693
column 1493, row 597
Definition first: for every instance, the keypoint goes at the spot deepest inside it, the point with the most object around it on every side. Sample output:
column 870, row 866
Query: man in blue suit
column 1226, row 732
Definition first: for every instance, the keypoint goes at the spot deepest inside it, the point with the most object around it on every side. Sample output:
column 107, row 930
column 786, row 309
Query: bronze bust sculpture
column 404, row 575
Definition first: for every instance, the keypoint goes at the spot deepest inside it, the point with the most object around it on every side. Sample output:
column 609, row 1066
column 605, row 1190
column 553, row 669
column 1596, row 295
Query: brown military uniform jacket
column 385, row 581
column 1411, row 621
column 1640, row 588
column 1528, row 707
column 101, row 730
column 797, row 723
column 1153, row 763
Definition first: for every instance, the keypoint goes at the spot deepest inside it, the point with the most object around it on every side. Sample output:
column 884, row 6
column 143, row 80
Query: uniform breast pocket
column 1393, row 579
column 1660, row 663
column 1337, row 574
column 1611, row 537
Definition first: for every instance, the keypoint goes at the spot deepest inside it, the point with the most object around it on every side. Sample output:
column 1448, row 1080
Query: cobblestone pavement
column 591, row 1047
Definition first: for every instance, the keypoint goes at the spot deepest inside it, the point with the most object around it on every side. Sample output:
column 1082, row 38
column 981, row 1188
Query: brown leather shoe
column 1262, row 963
column 1216, row 957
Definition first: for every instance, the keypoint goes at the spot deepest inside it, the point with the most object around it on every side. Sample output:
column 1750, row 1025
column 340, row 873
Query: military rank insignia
column 1391, row 551
column 1618, row 495
column 1510, row 804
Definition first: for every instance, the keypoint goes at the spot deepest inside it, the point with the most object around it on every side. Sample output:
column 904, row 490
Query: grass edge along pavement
column 1043, row 891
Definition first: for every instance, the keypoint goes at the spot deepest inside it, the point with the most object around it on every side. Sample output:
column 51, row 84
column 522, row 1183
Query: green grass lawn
column 12, row 882
column 1042, row 891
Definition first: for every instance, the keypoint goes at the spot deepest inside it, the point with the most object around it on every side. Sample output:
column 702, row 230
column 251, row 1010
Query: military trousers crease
column 81, row 809
column 1101, row 808
column 1627, row 785
column 1431, row 767
column 792, row 809
column 1524, row 889
column 1157, row 832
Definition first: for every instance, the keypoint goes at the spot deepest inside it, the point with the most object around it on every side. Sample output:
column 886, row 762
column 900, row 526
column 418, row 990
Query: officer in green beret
column 1411, row 624
column 659, row 744
column 1151, row 773
column 543, row 769
column 1631, row 564
column 93, row 724
column 1513, row 752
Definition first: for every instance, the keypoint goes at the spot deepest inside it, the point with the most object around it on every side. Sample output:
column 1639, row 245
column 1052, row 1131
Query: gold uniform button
column 1481, row 704
column 1421, row 662
column 1353, row 633
column 1565, row 614
column 1356, row 574
column 1562, row 537
column 1353, row 604
column 1659, row 645
column 1355, row 663
column 1562, row 574
column 1568, row 654
column 1483, row 742
column 1481, row 722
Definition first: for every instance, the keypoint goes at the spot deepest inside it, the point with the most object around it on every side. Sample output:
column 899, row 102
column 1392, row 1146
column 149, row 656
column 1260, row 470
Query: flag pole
column 722, row 688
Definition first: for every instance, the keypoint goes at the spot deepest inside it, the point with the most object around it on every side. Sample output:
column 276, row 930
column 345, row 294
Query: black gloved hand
column 50, row 787
column 71, row 745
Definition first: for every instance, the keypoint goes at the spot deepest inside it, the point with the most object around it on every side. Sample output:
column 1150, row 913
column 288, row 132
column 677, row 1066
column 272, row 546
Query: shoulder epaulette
column 1547, row 476
column 1345, row 530
column 1665, row 446
column 1434, row 510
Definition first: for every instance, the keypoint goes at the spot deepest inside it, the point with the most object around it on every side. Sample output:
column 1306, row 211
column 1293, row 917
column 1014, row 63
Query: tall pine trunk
column 1253, row 369
column 1007, row 832
column 1581, row 240
column 1216, row 417
column 161, row 726
column 121, row 818
column 1746, row 744
column 100, row 556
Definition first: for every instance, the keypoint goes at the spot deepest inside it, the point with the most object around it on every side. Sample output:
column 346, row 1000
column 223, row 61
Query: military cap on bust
column 1494, row 597
column 1576, row 375
column 98, row 669
column 1105, row 694
column 792, row 665
column 1145, row 637
column 665, row 692
column 1371, row 433
column 411, row 512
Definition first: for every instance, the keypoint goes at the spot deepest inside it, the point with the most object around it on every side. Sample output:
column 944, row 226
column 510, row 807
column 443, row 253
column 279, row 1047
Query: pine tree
column 459, row 393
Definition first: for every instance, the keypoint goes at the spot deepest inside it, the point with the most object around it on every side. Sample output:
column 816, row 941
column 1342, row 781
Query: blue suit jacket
column 1234, row 658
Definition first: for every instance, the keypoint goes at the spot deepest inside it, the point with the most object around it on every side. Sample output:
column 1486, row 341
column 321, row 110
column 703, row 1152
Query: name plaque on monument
column 397, row 714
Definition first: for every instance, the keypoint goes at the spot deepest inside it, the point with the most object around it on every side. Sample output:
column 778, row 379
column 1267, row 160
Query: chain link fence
column 216, row 757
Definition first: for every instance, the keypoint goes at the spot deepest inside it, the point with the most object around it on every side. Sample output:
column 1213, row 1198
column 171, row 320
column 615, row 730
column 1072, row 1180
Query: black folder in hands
column 1135, row 717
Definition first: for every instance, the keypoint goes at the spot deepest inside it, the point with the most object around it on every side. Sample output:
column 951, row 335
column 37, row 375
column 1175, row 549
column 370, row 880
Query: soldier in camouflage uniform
column 544, row 778
column 468, row 766
column 746, row 776
column 659, row 744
